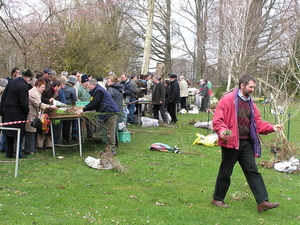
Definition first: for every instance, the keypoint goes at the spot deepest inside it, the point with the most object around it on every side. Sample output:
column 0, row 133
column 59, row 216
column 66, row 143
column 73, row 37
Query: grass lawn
column 157, row 188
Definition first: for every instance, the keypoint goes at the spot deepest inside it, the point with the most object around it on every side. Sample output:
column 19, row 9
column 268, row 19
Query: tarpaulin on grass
column 209, row 140
column 164, row 148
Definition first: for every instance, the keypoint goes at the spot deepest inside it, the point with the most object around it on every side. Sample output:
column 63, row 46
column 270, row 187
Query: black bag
column 37, row 123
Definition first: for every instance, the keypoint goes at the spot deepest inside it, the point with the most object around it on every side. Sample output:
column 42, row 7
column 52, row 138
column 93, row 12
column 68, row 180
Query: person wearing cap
column 174, row 97
column 47, row 77
column 71, row 99
column 84, row 95
column 100, row 81
column 14, row 107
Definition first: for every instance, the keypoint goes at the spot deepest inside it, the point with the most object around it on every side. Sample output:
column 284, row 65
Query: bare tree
column 22, row 28
column 147, row 45
column 195, row 12
column 161, row 45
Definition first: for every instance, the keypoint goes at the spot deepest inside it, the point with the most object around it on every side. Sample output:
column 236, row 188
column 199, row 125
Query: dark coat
column 167, row 94
column 115, row 91
column 174, row 95
column 205, row 92
column 158, row 94
column 140, row 84
column 15, row 105
column 127, row 88
column 101, row 101
column 70, row 94
column 48, row 82
column 47, row 94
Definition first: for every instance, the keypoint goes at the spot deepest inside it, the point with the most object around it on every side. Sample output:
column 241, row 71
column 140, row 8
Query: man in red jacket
column 237, row 122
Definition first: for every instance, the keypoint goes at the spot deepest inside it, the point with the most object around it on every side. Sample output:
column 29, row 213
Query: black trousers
column 159, row 108
column 172, row 111
column 183, row 102
column 66, row 129
column 244, row 155
column 10, row 147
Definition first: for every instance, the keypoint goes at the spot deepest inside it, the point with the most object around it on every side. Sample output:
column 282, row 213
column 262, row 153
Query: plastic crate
column 82, row 103
column 124, row 136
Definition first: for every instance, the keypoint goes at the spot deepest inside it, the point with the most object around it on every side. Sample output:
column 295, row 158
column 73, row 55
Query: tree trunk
column 201, row 16
column 147, row 47
column 221, row 44
column 168, row 60
column 252, row 33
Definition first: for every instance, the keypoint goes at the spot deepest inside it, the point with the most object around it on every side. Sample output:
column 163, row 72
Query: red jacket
column 225, row 117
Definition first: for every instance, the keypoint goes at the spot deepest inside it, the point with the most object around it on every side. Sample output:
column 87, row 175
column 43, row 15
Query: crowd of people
column 26, row 94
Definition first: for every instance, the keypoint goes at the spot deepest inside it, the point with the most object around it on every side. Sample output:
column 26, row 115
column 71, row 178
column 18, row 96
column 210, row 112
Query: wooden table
column 61, row 118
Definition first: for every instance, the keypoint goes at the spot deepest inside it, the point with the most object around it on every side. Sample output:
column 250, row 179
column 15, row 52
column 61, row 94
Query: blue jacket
column 127, row 88
column 101, row 101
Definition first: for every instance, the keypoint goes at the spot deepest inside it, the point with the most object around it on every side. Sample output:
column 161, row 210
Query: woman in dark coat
column 14, row 107
column 115, row 89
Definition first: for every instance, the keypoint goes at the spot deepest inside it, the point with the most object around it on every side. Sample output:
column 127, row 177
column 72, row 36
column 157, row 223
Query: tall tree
column 22, row 28
column 148, row 38
column 195, row 16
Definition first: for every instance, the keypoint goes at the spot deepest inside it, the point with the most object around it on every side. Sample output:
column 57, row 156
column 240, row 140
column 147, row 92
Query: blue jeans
column 74, row 129
column 131, row 108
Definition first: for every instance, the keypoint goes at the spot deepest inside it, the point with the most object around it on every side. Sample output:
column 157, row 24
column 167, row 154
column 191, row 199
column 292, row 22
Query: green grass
column 157, row 188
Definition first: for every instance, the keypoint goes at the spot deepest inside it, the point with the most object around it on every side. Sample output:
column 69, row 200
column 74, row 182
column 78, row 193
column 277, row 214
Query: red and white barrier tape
column 132, row 102
column 14, row 122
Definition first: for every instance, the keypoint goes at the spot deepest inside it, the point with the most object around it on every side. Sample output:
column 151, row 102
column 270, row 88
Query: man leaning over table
column 102, row 102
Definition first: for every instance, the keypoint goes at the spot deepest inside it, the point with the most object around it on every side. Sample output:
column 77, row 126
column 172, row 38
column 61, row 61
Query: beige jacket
column 34, row 102
column 183, row 87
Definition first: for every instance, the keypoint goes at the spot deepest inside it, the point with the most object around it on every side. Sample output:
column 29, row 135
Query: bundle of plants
column 282, row 149
column 284, row 108
column 107, row 160
column 96, row 118
column 61, row 111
